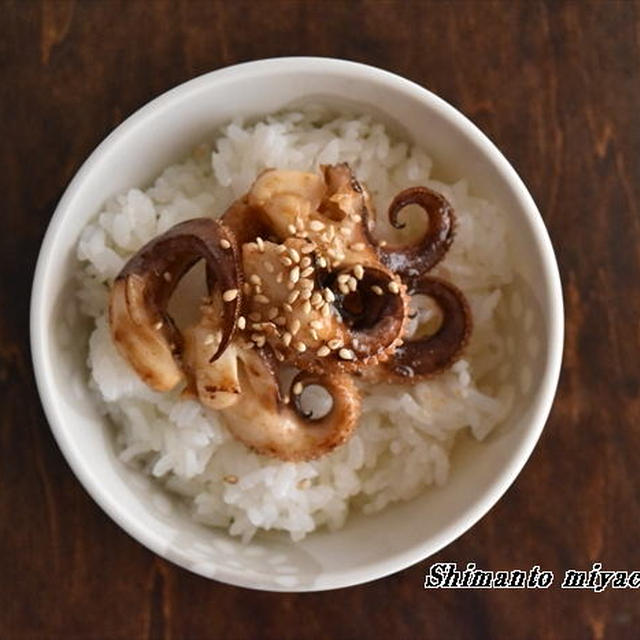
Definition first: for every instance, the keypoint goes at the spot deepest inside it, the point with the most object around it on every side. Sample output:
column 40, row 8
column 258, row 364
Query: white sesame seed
column 305, row 262
column 357, row 218
column 158, row 325
column 286, row 261
column 306, row 272
column 268, row 267
column 242, row 322
column 295, row 256
column 279, row 277
column 309, row 247
column 306, row 294
column 329, row 296
column 358, row 271
column 331, row 231
column 326, row 310
column 295, row 326
column 291, row 286
column 280, row 321
column 306, row 284
column 281, row 248
column 336, row 343
column 260, row 342
column 377, row 290
column 279, row 356
column 382, row 243
column 257, row 288
column 321, row 262
column 344, row 288
column 299, row 223
column 323, row 351
column 167, row 276
column 345, row 231
column 229, row 295
column 286, row 338
column 294, row 274
column 261, row 299
column 225, row 244
column 298, row 388
column 314, row 334
column 343, row 277
column 210, row 339
column 287, row 307
column 291, row 229
column 316, row 225
column 316, row 324
column 254, row 278
column 272, row 313
column 316, row 299
column 394, row 287
column 346, row 354
column 293, row 296
column 256, row 336
column 246, row 288
column 260, row 243
column 301, row 347
column 231, row 479
column 306, row 307
column 358, row 246
column 352, row 283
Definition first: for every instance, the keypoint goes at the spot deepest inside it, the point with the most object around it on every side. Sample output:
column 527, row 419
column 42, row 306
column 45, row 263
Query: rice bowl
column 533, row 384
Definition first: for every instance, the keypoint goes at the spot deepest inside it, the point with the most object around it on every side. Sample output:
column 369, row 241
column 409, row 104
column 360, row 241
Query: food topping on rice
column 296, row 279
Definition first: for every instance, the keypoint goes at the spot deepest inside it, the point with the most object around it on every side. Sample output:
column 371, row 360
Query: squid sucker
column 297, row 282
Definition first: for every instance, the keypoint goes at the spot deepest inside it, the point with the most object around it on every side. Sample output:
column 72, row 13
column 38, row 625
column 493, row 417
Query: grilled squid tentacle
column 280, row 427
column 428, row 356
column 141, row 327
column 415, row 260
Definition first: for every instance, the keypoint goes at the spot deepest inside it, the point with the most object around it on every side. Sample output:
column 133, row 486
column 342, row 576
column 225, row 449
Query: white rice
column 406, row 434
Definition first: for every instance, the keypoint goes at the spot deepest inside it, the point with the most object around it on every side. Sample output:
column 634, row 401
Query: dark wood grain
column 557, row 86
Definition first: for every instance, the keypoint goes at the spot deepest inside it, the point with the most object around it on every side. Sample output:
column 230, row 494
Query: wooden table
column 557, row 86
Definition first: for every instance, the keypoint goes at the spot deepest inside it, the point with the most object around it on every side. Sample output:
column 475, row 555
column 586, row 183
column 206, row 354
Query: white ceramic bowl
column 368, row 547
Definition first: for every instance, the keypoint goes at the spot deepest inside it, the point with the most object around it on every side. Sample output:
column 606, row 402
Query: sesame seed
column 261, row 299
column 343, row 278
column 336, row 343
column 279, row 356
column 167, row 276
column 279, row 277
column 306, row 272
column 316, row 324
column 321, row 262
column 257, row 288
column 260, row 342
column 280, row 321
column 352, row 283
column 287, row 307
column 231, row 479
column 357, row 218
column 272, row 313
column 358, row 271
column 323, row 351
column 294, row 274
column 255, row 316
column 297, row 389
column 291, row 229
column 316, row 225
column 346, row 354
column 291, row 286
column 326, row 310
column 246, row 288
column 345, row 231
column 280, row 248
column 242, row 322
column 305, row 284
column 293, row 296
column 286, row 261
column 286, row 399
column 254, row 278
column 314, row 334
column 305, row 262
column 308, row 248
column 394, row 287
column 331, row 232
column 316, row 298
column 299, row 223
column 286, row 338
column 268, row 267
column 225, row 244
column 382, row 243
column 306, row 294
column 158, row 325
column 295, row 256
column 306, row 307
column 229, row 295
column 358, row 246
column 209, row 339
column 344, row 289
column 260, row 243
column 301, row 347
column 295, row 326
column 329, row 296
column 377, row 290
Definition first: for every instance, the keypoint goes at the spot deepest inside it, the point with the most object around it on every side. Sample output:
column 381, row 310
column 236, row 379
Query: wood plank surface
column 556, row 85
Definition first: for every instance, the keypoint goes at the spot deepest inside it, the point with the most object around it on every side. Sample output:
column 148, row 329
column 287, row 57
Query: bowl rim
column 540, row 406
